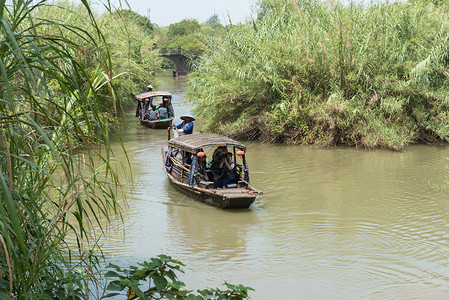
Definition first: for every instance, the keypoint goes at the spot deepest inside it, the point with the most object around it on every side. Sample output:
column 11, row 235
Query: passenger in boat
column 218, row 153
column 167, row 104
column 217, row 168
column 138, row 109
column 202, row 169
column 147, row 106
column 186, row 127
column 231, row 171
column 154, row 114
column 163, row 113
column 148, row 101
column 216, row 159
column 228, row 172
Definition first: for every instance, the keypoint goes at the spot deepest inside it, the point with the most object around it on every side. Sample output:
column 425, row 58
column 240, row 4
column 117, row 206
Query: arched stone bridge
column 180, row 59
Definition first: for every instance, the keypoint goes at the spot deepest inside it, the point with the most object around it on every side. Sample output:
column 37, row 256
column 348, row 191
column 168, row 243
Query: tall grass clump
column 52, row 125
column 130, row 44
column 128, row 39
column 330, row 73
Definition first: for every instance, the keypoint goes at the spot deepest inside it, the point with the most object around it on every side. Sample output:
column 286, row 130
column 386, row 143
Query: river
column 338, row 223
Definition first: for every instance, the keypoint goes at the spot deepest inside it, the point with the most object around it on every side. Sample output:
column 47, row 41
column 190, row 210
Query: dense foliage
column 128, row 39
column 49, row 109
column 189, row 35
column 329, row 73
column 144, row 23
column 130, row 42
column 157, row 279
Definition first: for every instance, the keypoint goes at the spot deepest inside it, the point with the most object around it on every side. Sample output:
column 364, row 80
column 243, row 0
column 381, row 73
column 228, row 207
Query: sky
column 166, row 12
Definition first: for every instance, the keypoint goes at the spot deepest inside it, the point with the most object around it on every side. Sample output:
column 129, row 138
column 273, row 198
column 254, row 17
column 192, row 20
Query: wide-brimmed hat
column 184, row 117
column 149, row 86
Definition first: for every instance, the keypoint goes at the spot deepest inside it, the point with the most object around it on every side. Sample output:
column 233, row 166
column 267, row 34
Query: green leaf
column 117, row 268
column 160, row 282
column 155, row 263
column 115, row 285
column 141, row 274
column 178, row 284
column 194, row 297
column 110, row 295
column 170, row 274
column 164, row 257
column 111, row 274
column 135, row 288
column 4, row 285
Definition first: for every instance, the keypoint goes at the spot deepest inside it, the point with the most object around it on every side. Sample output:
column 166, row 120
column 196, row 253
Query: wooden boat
column 181, row 165
column 155, row 124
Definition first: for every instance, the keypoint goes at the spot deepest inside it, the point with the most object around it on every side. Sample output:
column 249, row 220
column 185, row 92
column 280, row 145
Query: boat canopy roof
column 194, row 142
column 146, row 95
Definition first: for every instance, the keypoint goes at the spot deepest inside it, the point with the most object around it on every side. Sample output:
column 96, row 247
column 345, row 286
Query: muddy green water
column 332, row 223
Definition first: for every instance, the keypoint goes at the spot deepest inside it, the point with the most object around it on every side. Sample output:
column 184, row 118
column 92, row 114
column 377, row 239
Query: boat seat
column 242, row 183
column 231, row 185
column 205, row 184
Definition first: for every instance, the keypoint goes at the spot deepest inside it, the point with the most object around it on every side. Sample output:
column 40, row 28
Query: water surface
column 339, row 223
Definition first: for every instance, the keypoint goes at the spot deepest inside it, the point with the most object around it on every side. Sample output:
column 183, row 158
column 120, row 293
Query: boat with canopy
column 143, row 107
column 184, row 165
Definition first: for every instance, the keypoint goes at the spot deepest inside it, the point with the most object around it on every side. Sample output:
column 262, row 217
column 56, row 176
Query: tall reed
column 329, row 73
column 49, row 111
column 127, row 38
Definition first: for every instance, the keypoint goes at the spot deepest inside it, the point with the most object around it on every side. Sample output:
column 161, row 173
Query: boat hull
column 223, row 198
column 157, row 124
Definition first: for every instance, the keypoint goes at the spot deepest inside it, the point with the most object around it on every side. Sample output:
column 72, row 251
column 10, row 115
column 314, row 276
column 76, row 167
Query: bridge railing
column 177, row 51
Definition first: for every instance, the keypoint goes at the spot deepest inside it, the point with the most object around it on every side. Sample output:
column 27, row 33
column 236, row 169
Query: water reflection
column 210, row 234
column 332, row 223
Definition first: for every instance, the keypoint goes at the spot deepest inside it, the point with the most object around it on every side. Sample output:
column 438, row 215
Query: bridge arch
column 180, row 60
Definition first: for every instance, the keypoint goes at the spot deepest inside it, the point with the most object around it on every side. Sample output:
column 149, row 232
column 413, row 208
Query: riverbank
column 310, row 73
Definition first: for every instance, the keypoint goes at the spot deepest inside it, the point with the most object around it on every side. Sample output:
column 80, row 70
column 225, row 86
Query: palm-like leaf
column 49, row 111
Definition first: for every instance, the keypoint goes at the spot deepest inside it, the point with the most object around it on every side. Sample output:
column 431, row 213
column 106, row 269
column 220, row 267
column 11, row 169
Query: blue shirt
column 187, row 127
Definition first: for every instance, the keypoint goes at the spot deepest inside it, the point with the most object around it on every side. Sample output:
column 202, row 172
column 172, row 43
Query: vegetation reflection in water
column 365, row 223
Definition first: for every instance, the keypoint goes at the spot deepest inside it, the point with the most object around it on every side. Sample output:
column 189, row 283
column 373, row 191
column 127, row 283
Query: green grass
column 326, row 73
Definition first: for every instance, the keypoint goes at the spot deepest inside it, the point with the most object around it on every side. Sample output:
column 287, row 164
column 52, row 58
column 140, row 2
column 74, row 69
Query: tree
column 130, row 16
column 214, row 22
column 183, row 28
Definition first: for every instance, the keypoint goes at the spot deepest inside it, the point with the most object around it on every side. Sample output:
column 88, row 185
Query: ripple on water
column 331, row 224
